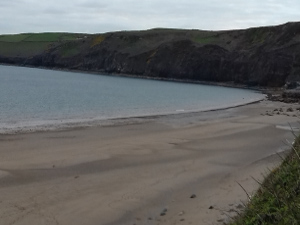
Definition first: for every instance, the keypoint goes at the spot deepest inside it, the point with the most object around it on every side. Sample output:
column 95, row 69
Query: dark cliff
column 265, row 56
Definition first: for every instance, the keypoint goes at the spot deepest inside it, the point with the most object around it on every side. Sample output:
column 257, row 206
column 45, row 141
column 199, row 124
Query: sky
column 99, row 16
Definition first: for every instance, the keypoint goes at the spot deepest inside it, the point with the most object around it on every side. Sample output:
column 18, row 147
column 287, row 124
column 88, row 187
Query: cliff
column 265, row 56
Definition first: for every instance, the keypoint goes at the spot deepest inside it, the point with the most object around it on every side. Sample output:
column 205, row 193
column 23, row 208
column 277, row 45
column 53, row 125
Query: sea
column 32, row 98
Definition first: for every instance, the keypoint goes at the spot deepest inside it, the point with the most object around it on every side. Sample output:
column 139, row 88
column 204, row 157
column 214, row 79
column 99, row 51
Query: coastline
column 132, row 173
column 85, row 123
column 62, row 124
column 183, row 167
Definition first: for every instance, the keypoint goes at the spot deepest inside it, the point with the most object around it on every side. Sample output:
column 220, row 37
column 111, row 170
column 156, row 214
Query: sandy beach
column 176, row 169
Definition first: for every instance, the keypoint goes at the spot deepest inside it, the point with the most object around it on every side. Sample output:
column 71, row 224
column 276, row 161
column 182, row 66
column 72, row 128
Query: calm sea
column 37, row 97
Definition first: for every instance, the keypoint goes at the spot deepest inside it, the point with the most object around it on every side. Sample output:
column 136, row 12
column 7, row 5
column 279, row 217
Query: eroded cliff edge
column 265, row 56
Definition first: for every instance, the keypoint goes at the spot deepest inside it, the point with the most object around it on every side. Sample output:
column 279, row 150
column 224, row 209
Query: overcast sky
column 97, row 16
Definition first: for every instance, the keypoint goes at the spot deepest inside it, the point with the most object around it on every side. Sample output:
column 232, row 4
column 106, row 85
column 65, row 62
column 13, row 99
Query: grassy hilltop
column 265, row 56
column 29, row 45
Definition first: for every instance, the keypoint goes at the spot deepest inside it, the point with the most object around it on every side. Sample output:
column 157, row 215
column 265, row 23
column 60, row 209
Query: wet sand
column 176, row 169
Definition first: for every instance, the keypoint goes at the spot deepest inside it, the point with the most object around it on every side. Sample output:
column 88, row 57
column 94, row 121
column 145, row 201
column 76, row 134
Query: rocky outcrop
column 267, row 56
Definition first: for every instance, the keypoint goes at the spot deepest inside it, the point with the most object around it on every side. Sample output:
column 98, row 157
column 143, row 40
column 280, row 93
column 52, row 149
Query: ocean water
column 32, row 97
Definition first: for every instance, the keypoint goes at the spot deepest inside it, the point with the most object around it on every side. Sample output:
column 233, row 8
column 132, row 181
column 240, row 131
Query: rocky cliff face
column 266, row 56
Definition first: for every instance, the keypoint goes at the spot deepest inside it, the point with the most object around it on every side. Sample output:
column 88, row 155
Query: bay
column 31, row 97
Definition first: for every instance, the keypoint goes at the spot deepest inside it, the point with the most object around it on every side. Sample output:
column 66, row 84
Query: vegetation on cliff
column 265, row 56
column 278, row 199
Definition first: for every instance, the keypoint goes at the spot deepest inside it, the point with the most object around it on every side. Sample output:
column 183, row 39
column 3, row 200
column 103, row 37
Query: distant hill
column 264, row 56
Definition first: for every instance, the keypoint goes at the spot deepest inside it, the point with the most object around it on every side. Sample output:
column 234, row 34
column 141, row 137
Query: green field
column 13, row 37
column 22, row 49
column 205, row 39
column 27, row 45
column 44, row 37
column 39, row 37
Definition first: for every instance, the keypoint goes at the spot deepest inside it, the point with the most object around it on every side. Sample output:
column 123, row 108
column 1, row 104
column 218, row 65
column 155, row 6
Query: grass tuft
column 278, row 199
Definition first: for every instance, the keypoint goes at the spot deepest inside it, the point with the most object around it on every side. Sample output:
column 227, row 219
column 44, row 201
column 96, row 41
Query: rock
column 163, row 212
column 239, row 206
column 211, row 207
column 181, row 213
column 290, row 110
column 193, row 196
column 291, row 85
column 252, row 58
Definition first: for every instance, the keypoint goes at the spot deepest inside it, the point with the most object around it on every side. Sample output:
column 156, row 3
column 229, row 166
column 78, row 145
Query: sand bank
column 145, row 171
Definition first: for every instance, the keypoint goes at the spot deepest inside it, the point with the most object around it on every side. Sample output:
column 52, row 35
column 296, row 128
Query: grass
column 97, row 40
column 70, row 50
column 13, row 37
column 40, row 37
column 278, row 199
column 205, row 40
column 70, row 37
column 27, row 49
column 44, row 37
column 28, row 45
column 258, row 35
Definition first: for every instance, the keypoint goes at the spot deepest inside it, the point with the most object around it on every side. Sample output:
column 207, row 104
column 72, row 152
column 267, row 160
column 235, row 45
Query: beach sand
column 176, row 169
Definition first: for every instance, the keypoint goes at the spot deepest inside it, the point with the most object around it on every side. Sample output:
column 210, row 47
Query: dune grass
column 278, row 199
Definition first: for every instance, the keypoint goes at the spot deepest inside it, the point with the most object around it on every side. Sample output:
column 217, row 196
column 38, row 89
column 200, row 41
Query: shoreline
column 130, row 174
column 85, row 123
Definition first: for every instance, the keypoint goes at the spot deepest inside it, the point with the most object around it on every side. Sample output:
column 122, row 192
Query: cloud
column 109, row 15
